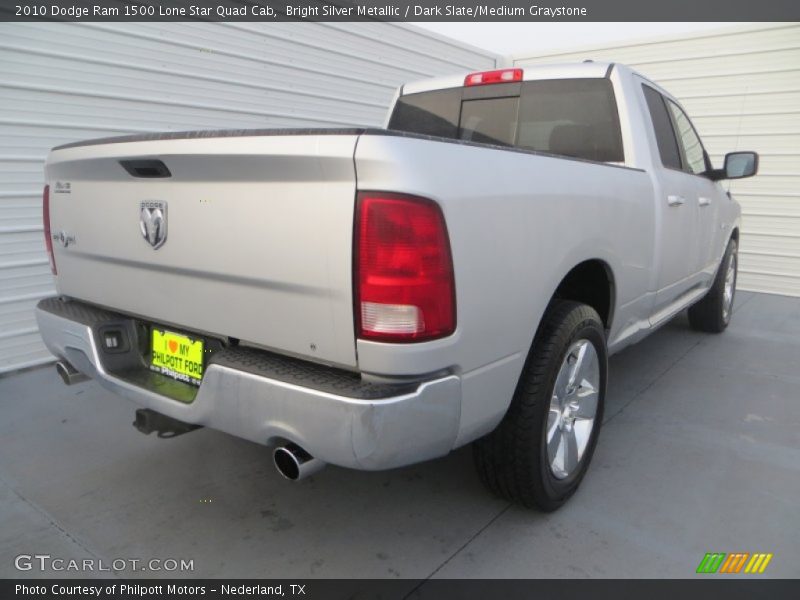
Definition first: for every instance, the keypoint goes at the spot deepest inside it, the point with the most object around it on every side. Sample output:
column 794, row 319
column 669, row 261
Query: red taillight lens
column 403, row 269
column 48, row 238
column 500, row 76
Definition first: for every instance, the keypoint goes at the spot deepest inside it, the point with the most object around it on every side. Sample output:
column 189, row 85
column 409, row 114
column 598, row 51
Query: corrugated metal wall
column 741, row 86
column 65, row 82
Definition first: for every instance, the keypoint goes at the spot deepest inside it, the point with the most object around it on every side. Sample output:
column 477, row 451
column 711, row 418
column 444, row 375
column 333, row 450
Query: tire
column 713, row 313
column 514, row 461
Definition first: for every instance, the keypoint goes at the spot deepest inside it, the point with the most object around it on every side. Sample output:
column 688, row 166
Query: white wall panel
column 741, row 86
column 70, row 81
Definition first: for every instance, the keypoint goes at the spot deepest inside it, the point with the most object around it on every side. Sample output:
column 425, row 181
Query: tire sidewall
column 730, row 253
column 561, row 489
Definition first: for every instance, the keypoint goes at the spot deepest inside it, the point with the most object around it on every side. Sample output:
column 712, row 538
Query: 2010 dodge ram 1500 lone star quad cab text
column 372, row 298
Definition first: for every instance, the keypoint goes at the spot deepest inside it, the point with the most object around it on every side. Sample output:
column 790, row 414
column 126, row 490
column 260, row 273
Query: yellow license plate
column 177, row 355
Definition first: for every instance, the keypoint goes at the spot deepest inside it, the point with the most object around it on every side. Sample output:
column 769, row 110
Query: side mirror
column 738, row 165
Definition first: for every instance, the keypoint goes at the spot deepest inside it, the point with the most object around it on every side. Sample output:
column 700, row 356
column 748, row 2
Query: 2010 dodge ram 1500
column 376, row 297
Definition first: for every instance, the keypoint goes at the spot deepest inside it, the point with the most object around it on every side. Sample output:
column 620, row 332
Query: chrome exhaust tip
column 69, row 374
column 294, row 463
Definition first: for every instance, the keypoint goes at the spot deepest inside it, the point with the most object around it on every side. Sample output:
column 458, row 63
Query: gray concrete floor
column 700, row 452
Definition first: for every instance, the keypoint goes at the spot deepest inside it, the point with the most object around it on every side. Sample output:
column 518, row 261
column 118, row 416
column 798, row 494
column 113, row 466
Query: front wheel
column 541, row 450
column 713, row 312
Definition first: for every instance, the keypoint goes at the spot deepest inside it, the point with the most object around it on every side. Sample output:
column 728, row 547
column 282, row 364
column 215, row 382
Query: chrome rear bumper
column 271, row 399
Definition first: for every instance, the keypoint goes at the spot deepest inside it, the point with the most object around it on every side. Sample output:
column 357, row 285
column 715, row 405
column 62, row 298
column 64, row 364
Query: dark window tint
column 689, row 140
column 429, row 113
column 665, row 134
column 571, row 117
column 489, row 121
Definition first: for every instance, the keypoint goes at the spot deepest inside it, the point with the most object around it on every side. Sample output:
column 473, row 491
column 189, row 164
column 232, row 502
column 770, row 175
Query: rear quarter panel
column 518, row 223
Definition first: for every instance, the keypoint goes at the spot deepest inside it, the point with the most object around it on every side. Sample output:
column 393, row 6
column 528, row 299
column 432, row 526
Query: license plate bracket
column 177, row 355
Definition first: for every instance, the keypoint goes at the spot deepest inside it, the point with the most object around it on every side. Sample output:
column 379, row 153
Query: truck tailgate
column 258, row 236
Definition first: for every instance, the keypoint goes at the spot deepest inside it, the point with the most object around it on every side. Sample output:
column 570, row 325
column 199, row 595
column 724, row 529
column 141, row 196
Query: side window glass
column 662, row 125
column 689, row 140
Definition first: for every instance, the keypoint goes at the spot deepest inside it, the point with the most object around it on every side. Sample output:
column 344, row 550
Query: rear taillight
column 404, row 289
column 499, row 76
column 48, row 238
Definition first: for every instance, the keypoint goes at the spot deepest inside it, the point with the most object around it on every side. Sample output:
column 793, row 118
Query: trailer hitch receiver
column 147, row 421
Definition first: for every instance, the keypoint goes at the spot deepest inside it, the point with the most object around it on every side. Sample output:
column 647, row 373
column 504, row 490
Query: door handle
column 703, row 201
column 675, row 200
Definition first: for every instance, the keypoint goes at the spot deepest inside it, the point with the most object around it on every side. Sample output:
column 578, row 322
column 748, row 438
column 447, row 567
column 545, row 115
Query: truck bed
column 260, row 233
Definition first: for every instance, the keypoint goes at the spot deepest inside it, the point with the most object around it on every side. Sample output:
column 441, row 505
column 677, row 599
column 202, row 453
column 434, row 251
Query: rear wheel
column 713, row 312
column 541, row 450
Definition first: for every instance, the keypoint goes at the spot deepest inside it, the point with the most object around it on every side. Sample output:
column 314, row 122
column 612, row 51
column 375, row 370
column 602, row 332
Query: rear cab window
column 576, row 118
column 489, row 121
column 429, row 113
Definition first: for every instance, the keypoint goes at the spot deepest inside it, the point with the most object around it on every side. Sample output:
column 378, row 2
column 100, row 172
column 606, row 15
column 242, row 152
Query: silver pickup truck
column 372, row 298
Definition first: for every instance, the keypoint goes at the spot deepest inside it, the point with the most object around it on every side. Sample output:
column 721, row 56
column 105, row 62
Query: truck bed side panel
column 518, row 222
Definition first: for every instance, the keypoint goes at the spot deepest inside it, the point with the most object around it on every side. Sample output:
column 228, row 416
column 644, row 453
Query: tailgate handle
column 146, row 168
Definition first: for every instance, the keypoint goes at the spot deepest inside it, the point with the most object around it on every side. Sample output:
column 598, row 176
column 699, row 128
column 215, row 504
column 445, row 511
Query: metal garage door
column 64, row 82
column 742, row 88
